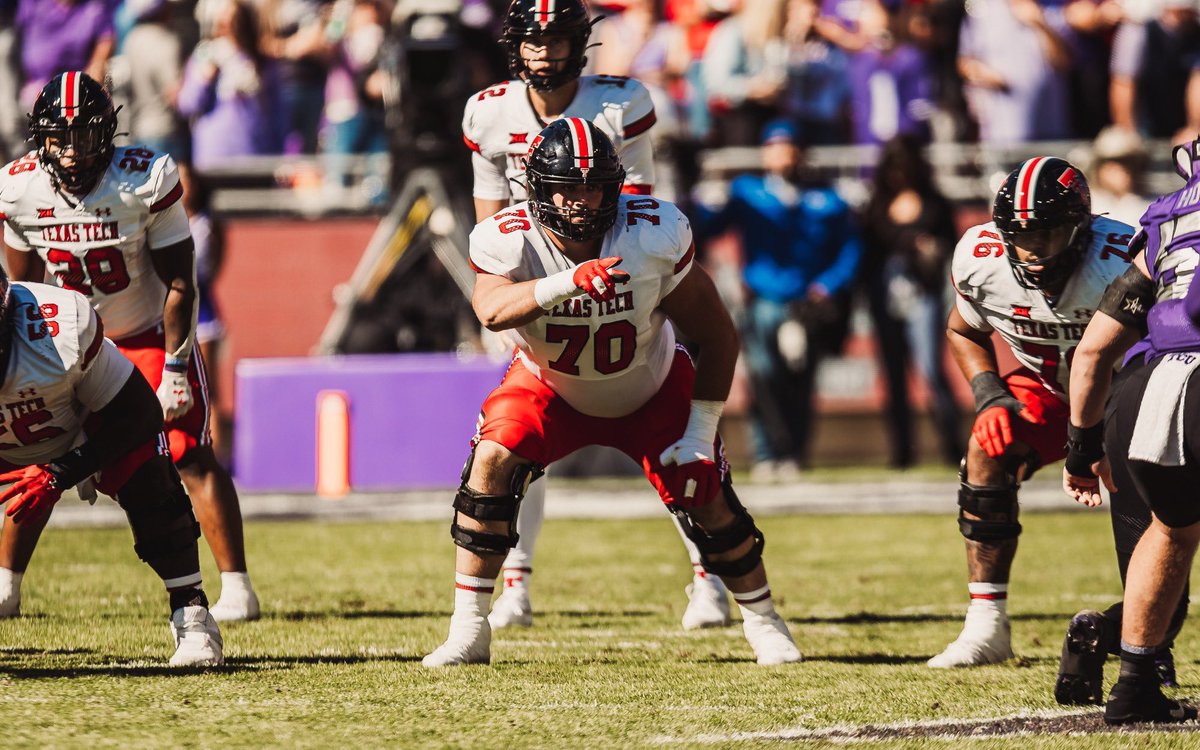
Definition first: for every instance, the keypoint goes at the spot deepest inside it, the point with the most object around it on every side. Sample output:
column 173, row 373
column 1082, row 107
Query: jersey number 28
column 100, row 268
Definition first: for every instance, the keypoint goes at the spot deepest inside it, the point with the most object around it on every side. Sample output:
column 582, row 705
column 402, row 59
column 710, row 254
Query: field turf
column 351, row 608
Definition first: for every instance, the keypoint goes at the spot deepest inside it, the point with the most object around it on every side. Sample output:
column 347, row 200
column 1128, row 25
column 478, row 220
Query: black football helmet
column 1044, row 206
column 573, row 151
column 540, row 18
column 75, row 111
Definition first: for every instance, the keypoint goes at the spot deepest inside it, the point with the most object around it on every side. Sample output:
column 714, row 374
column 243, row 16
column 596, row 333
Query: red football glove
column 692, row 485
column 596, row 278
column 993, row 426
column 32, row 494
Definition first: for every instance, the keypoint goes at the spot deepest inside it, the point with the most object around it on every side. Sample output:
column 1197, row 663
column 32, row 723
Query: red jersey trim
column 634, row 129
column 94, row 347
column 472, row 144
column 477, row 269
column 636, row 190
column 168, row 199
column 687, row 258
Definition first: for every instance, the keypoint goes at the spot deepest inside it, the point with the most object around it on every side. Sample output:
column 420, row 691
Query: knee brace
column 996, row 505
column 725, row 539
column 483, row 507
column 159, row 510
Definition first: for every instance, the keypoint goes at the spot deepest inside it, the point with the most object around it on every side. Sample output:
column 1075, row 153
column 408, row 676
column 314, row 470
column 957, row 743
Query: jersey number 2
column 622, row 332
column 103, row 267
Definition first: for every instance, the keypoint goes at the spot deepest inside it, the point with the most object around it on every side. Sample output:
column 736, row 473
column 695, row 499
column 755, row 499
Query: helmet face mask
column 561, row 26
column 72, row 125
column 567, row 154
column 1044, row 209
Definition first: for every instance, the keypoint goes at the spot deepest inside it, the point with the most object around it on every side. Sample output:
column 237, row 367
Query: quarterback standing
column 108, row 223
column 582, row 279
column 546, row 41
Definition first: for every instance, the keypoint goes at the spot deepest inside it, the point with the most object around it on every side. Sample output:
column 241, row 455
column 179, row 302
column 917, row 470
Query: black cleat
column 1081, row 669
column 1164, row 667
column 1137, row 703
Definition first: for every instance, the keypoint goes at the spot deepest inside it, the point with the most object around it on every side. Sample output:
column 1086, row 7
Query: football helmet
column 541, row 18
column 73, row 112
column 573, row 151
column 1044, row 206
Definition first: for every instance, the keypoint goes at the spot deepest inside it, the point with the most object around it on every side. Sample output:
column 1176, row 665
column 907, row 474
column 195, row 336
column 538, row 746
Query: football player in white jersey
column 546, row 40
column 582, row 280
column 75, row 410
column 1035, row 275
column 108, row 223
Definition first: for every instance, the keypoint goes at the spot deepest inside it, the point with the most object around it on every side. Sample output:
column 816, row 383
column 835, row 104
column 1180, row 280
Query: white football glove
column 175, row 394
column 696, row 443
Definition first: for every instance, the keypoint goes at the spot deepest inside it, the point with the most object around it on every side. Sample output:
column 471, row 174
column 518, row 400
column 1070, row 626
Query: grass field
column 350, row 609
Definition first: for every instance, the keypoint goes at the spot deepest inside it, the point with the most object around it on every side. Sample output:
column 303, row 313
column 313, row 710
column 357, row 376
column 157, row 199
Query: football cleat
column 197, row 638
column 512, row 609
column 1137, row 703
column 708, row 604
column 985, row 639
column 236, row 604
column 769, row 637
column 463, row 647
column 1081, row 669
column 1164, row 667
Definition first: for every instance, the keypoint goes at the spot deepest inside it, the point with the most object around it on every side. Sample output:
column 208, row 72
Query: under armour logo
column 27, row 393
column 104, row 212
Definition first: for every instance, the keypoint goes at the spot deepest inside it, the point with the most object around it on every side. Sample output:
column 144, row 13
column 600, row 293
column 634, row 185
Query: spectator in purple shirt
column 58, row 35
column 231, row 91
column 890, row 79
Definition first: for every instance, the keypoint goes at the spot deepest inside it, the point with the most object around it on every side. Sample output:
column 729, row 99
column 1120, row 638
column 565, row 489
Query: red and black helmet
column 573, row 151
column 74, row 110
column 541, row 18
column 1044, row 204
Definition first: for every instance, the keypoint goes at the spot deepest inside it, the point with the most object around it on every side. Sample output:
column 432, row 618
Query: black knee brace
column 996, row 506
column 725, row 539
column 483, row 507
column 159, row 510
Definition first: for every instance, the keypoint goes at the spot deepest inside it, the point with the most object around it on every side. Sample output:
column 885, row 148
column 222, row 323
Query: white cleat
column 770, row 639
column 708, row 604
column 197, row 638
column 462, row 648
column 985, row 639
column 10, row 593
column 511, row 609
column 236, row 604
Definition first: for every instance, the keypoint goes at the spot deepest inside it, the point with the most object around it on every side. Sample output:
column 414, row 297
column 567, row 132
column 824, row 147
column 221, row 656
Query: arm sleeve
column 103, row 369
column 490, row 181
column 685, row 256
column 489, row 252
column 168, row 221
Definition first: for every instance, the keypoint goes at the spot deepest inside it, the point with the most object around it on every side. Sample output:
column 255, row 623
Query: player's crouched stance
column 596, row 364
column 76, row 409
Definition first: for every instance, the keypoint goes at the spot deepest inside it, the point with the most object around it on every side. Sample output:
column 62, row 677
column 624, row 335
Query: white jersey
column 605, row 358
column 499, row 125
column 1042, row 336
column 61, row 369
column 99, row 244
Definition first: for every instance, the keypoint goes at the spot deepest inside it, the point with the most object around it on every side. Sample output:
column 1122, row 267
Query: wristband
column 988, row 388
column 73, row 467
column 555, row 289
column 703, row 420
column 176, row 364
column 1085, row 446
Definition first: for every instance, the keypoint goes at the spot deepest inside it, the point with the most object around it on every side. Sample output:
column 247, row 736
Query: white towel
column 1158, row 433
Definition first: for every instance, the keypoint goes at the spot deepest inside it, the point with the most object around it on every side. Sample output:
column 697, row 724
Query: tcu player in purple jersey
column 546, row 40
column 108, row 222
column 1151, row 431
column 76, row 411
column 582, row 280
column 1035, row 275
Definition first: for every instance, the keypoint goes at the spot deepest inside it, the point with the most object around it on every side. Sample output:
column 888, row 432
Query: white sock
column 10, row 581
column 516, row 578
column 529, row 526
column 698, row 571
column 755, row 603
column 472, row 598
column 239, row 581
column 988, row 597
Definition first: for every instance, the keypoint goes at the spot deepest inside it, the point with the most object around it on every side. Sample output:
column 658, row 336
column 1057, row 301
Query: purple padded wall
column 411, row 418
